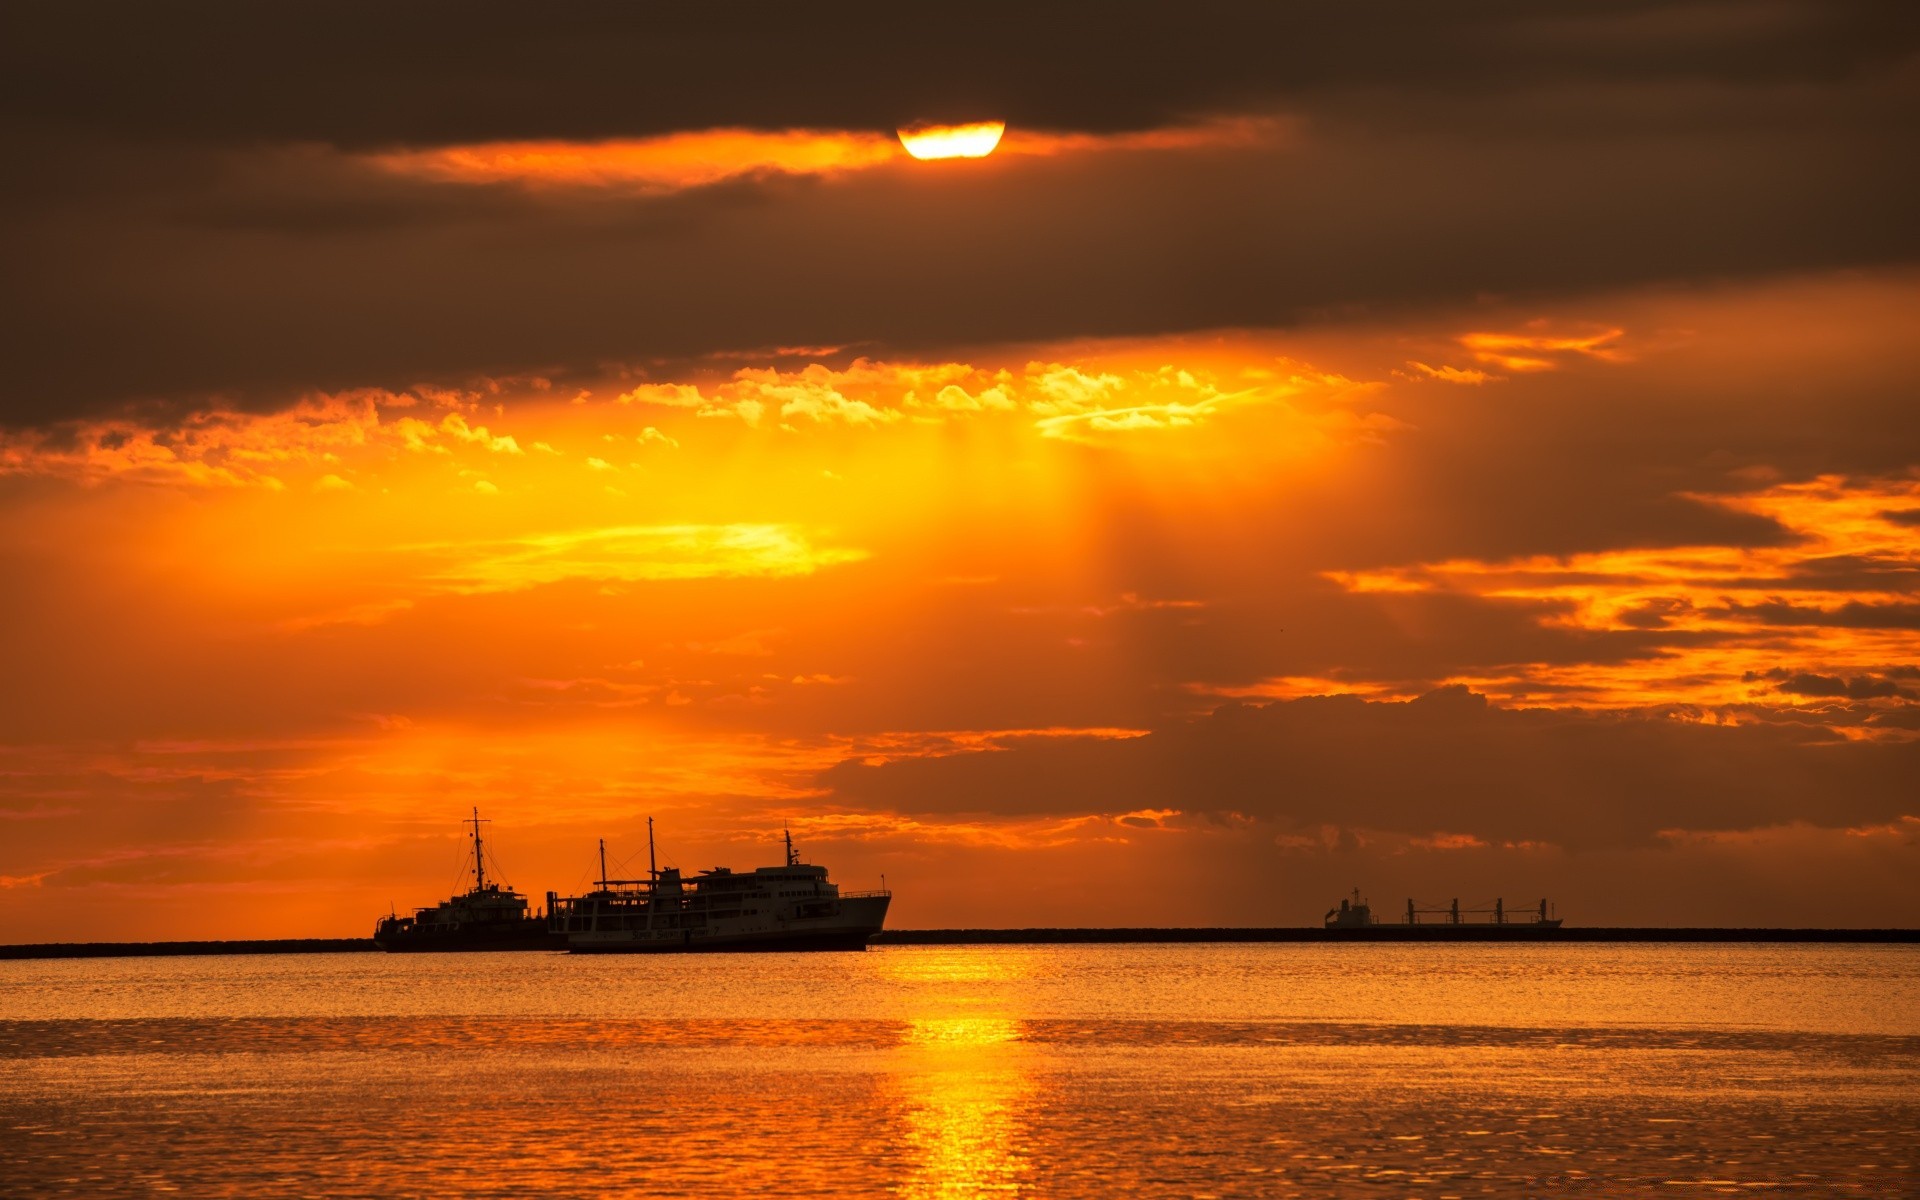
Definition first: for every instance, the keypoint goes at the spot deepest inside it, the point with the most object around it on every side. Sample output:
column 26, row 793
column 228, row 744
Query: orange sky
column 1177, row 518
column 273, row 657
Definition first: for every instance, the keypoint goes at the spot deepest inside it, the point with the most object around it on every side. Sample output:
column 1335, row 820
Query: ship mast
column 653, row 872
column 479, row 858
column 603, row 864
column 793, row 860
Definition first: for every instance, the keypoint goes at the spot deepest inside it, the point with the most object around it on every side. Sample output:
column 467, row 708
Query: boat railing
column 866, row 895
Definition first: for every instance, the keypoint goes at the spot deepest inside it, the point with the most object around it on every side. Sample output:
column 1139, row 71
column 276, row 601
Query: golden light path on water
column 964, row 1089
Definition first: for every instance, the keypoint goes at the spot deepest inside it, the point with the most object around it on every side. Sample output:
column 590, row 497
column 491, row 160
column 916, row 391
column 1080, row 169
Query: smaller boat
column 487, row 917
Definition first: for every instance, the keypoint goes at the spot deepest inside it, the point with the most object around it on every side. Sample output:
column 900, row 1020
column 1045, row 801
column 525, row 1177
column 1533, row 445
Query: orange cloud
column 1539, row 350
column 1838, row 599
column 1070, row 401
column 1446, row 374
column 627, row 553
column 671, row 162
column 875, row 748
column 222, row 447
column 667, row 163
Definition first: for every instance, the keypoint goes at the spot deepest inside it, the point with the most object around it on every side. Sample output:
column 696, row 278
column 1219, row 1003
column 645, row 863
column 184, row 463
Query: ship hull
column 686, row 943
column 850, row 928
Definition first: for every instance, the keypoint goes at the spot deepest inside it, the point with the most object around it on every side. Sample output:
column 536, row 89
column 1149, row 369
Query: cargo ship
column 1358, row 914
column 789, row 907
column 486, row 917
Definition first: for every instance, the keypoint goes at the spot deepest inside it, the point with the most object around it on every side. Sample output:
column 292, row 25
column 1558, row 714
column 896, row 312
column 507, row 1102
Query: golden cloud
column 223, row 447
column 627, row 553
column 1072, row 401
column 697, row 158
column 1538, row 349
column 1836, row 600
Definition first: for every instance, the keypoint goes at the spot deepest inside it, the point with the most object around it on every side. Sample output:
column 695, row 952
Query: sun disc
column 975, row 140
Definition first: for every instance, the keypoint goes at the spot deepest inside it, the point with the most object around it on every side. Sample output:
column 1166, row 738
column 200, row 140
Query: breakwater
column 147, row 949
column 1045, row 937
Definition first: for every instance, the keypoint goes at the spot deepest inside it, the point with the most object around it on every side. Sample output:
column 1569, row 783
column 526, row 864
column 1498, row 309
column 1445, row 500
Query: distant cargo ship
column 487, row 917
column 1357, row 914
column 789, row 907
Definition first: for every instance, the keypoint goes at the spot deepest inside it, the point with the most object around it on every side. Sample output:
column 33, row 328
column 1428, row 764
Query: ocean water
column 1071, row 1071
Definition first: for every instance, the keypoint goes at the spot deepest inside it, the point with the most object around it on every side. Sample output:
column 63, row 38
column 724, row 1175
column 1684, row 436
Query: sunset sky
column 1465, row 450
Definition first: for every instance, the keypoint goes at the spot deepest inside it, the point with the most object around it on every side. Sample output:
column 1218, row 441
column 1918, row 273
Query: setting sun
column 975, row 140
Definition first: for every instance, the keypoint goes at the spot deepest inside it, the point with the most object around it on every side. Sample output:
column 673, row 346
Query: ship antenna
column 603, row 864
column 479, row 862
column 793, row 860
column 653, row 872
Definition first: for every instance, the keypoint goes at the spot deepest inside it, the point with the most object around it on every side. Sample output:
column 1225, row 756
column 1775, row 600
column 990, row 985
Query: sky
column 1449, row 451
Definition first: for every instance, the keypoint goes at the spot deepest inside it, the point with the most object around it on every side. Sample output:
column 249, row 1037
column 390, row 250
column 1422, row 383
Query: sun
column 976, row 140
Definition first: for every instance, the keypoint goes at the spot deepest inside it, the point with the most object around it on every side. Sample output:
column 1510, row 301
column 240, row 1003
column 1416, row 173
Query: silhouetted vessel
column 1354, row 915
column 1357, row 914
column 487, row 917
column 789, row 907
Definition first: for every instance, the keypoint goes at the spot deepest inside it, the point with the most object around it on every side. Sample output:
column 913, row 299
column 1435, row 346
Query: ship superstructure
column 487, row 917
column 789, row 907
column 1354, row 914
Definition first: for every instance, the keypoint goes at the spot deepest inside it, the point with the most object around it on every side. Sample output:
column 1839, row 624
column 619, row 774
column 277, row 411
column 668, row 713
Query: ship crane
column 1494, row 913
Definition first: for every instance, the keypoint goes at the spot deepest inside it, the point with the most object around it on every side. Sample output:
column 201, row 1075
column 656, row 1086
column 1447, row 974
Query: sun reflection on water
column 965, row 1090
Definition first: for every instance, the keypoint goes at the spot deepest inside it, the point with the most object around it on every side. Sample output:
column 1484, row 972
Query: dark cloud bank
column 359, row 74
column 188, row 215
column 1446, row 763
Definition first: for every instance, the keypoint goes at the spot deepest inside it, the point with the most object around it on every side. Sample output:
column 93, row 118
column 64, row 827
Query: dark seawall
column 146, row 949
column 1382, row 933
column 1046, row 937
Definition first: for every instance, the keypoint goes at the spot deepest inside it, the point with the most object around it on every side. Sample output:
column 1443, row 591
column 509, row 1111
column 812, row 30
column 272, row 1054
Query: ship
column 789, row 907
column 1354, row 915
column 1358, row 914
column 487, row 917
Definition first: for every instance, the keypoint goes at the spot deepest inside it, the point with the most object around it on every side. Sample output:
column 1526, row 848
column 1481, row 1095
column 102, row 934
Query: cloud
column 455, row 426
column 370, row 613
column 664, row 163
column 1446, row 374
column 699, row 158
column 1709, row 646
column 1421, row 160
column 626, row 553
column 435, row 78
column 1068, row 401
column 1858, row 687
column 222, row 447
column 1536, row 350
column 1447, row 762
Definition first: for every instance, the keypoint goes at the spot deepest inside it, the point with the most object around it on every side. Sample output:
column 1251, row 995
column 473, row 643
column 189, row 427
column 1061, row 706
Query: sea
column 1276, row 1070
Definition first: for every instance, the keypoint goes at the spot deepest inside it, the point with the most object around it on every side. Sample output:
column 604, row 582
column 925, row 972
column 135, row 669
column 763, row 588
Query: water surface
column 1189, row 1070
